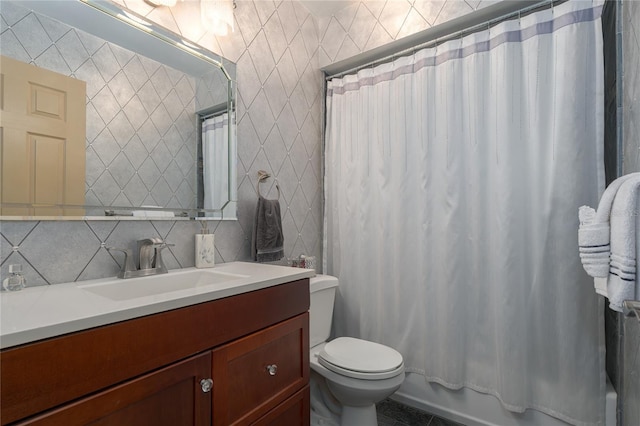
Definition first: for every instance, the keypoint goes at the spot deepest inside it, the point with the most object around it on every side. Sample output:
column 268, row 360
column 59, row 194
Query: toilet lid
column 359, row 355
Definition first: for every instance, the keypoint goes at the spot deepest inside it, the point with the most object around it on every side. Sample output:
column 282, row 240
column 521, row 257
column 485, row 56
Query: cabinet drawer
column 258, row 372
column 293, row 412
column 170, row 396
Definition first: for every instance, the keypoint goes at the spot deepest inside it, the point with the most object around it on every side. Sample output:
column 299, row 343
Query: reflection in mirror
column 147, row 102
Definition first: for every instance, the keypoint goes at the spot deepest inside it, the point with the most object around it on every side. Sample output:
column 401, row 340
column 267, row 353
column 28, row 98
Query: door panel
column 43, row 140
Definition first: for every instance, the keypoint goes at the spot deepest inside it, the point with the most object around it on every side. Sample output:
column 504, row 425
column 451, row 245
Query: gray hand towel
column 267, row 242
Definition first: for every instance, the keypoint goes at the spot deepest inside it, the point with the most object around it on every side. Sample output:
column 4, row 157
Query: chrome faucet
column 150, row 259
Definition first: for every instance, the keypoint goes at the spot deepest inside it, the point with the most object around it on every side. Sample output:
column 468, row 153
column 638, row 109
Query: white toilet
column 358, row 373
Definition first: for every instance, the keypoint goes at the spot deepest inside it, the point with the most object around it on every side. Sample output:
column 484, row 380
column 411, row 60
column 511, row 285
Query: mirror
column 160, row 113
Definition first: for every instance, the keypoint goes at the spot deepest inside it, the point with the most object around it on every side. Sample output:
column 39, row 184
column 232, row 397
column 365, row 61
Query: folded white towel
column 600, row 285
column 594, row 233
column 622, row 272
column 152, row 213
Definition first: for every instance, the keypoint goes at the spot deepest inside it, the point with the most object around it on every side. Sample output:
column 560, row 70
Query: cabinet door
column 293, row 412
column 254, row 374
column 170, row 396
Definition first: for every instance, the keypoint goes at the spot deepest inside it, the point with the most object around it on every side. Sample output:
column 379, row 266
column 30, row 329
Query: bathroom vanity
column 233, row 353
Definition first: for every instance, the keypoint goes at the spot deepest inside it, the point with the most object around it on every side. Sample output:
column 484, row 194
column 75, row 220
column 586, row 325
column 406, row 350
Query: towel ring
column 262, row 176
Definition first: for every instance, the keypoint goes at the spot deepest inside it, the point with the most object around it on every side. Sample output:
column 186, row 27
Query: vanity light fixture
column 217, row 15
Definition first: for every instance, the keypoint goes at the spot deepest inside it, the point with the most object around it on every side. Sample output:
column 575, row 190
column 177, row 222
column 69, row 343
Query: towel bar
column 262, row 175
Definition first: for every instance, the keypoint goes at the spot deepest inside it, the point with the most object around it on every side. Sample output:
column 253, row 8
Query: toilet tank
column 323, row 294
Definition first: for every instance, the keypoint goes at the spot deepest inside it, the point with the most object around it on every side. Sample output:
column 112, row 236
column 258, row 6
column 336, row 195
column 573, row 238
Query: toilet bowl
column 358, row 373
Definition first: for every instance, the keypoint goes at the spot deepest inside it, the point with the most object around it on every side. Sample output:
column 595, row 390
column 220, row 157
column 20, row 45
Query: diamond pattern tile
column 265, row 9
column 89, row 73
column 32, row 36
column 94, row 166
column 105, row 189
column 346, row 16
column 366, row 22
column 261, row 56
column 309, row 33
column 275, row 149
column 161, row 156
column 275, row 36
column 136, row 191
column 106, row 147
column 12, row 13
column 72, row 50
column 248, row 83
column 379, row 36
column 106, row 104
column 121, row 170
column 121, row 88
column 135, row 112
column 52, row 59
column 288, row 73
column 90, row 42
column 11, row 47
column 452, row 10
column 393, row 16
column 414, row 23
column 289, row 20
column 275, row 93
column 121, row 129
column 299, row 104
column 106, row 62
column 76, row 246
column 264, row 121
column 135, row 73
column 299, row 53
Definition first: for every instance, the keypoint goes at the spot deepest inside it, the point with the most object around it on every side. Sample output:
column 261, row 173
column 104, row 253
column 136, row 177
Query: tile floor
column 391, row 413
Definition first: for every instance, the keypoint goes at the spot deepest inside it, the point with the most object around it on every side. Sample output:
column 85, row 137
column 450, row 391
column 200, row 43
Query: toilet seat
column 361, row 359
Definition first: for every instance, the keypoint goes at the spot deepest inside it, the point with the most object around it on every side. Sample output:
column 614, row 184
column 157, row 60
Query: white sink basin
column 132, row 288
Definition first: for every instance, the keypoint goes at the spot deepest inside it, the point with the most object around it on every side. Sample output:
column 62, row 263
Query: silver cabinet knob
column 272, row 369
column 206, row 385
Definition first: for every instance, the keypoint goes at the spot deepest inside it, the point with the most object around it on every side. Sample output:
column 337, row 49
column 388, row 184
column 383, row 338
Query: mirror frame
column 117, row 25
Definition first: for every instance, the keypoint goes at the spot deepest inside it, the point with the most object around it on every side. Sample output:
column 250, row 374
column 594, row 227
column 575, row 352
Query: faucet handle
column 127, row 265
column 159, row 263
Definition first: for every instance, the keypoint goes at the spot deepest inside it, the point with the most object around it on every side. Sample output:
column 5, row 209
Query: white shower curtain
column 453, row 181
column 215, row 155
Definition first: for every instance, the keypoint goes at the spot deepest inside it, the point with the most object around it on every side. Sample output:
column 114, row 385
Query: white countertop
column 46, row 311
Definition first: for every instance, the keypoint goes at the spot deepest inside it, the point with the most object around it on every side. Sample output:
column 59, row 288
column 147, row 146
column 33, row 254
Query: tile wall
column 369, row 24
column 630, row 369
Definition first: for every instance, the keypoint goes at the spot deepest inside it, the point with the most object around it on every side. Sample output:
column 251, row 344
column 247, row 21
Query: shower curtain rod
column 456, row 28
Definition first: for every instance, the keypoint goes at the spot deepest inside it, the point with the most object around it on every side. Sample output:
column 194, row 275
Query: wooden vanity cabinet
column 170, row 396
column 150, row 370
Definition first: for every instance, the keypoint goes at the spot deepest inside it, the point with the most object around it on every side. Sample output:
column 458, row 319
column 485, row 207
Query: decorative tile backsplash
column 61, row 251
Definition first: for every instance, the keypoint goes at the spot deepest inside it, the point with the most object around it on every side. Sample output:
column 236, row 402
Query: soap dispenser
column 15, row 281
column 205, row 248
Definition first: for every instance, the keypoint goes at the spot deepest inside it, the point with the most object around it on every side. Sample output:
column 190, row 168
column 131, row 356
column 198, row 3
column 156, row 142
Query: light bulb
column 217, row 16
